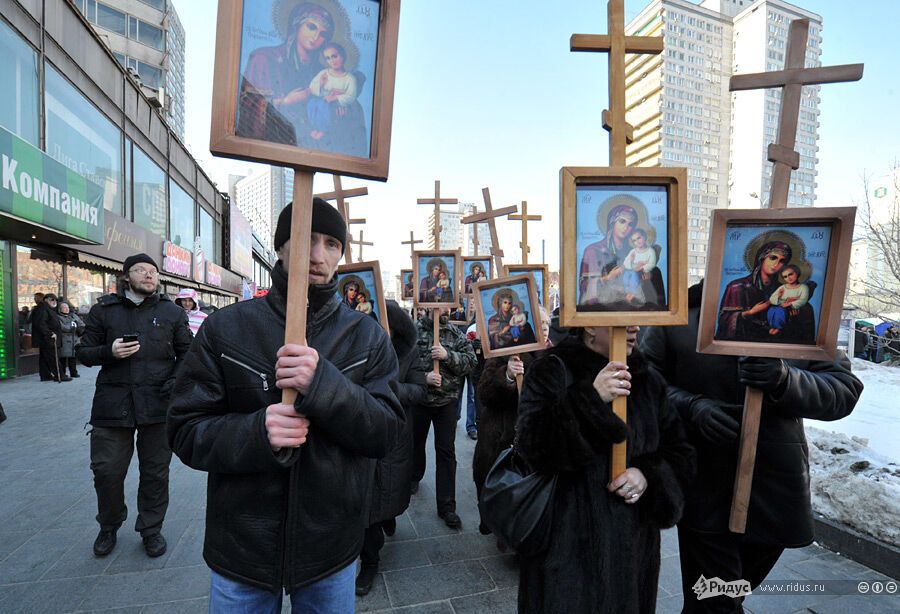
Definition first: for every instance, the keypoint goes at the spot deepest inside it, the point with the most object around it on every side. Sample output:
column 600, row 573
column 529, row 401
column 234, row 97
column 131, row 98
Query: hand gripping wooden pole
column 298, row 268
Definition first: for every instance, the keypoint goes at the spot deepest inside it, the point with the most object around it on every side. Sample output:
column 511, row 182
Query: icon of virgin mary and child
column 509, row 326
column 619, row 272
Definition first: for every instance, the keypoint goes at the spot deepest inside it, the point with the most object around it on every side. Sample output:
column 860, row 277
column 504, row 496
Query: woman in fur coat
column 604, row 550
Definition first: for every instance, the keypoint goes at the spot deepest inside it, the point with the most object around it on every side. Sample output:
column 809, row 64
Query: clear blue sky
column 488, row 94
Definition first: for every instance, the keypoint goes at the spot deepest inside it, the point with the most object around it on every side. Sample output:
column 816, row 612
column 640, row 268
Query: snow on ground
column 853, row 485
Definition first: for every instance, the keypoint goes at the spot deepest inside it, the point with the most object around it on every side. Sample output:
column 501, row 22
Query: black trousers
column 373, row 542
column 47, row 365
column 111, row 452
column 444, row 419
column 71, row 362
column 727, row 556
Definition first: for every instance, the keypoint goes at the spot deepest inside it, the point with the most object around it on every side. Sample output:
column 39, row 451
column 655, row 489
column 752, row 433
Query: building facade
column 147, row 39
column 684, row 115
column 261, row 196
column 92, row 173
column 456, row 235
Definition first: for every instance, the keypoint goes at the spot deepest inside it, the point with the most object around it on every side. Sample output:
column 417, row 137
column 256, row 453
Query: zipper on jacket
column 260, row 374
column 354, row 365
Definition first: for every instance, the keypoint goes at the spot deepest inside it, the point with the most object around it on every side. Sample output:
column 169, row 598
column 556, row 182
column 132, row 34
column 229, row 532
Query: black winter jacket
column 393, row 473
column 44, row 323
column 135, row 390
column 780, row 512
column 287, row 519
column 604, row 554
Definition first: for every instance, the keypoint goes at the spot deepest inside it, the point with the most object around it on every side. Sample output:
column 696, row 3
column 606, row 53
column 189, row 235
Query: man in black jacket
column 46, row 331
column 289, row 486
column 708, row 391
column 133, row 387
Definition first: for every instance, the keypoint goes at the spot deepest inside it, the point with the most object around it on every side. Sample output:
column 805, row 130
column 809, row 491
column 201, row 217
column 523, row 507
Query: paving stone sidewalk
column 47, row 527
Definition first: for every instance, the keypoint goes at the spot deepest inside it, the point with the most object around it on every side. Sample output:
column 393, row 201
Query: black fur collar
column 585, row 363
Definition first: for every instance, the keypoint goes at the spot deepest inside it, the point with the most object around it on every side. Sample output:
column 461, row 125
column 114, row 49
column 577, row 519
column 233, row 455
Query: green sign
column 37, row 188
column 7, row 315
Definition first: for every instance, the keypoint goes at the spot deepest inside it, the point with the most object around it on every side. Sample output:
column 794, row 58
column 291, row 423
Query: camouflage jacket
column 460, row 360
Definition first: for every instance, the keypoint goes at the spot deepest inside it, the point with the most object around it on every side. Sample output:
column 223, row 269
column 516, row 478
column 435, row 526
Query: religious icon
column 359, row 286
column 406, row 282
column 476, row 269
column 540, row 272
column 436, row 278
column 624, row 246
column 768, row 279
column 508, row 316
column 313, row 83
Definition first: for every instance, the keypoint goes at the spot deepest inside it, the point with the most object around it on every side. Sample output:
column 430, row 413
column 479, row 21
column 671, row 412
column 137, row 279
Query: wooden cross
column 362, row 243
column 525, row 218
column 437, row 201
column 339, row 195
column 488, row 216
column 412, row 245
column 785, row 160
column 617, row 45
column 791, row 79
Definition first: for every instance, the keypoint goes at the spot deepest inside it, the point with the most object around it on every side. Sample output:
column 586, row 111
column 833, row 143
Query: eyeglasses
column 144, row 272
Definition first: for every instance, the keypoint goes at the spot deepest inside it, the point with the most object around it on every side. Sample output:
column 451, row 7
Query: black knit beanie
column 326, row 220
column 136, row 259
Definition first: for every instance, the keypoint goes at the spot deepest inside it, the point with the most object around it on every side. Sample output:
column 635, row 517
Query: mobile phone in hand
column 129, row 338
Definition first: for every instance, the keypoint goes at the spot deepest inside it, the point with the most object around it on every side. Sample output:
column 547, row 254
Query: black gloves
column 766, row 374
column 716, row 421
column 476, row 344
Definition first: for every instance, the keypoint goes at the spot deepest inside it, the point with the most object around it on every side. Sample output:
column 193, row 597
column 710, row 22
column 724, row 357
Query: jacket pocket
column 262, row 375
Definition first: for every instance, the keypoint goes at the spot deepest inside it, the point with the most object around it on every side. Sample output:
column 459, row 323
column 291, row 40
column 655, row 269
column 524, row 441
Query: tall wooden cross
column 339, row 195
column 525, row 218
column 791, row 80
column 362, row 243
column 412, row 245
column 617, row 45
column 437, row 201
column 785, row 160
column 489, row 216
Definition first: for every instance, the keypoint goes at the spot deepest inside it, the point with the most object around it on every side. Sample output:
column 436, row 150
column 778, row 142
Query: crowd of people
column 301, row 487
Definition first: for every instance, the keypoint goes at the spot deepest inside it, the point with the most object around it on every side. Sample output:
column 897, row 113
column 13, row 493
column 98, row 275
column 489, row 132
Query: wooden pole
column 298, row 267
column 496, row 252
column 618, row 351
column 436, row 315
column 785, row 160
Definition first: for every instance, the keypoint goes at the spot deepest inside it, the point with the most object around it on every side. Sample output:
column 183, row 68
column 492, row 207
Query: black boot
column 367, row 573
column 155, row 545
column 105, row 542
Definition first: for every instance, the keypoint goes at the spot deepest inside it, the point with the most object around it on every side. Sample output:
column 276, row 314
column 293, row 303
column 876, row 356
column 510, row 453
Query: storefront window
column 208, row 236
column 181, row 217
column 36, row 271
column 82, row 138
column 19, row 75
column 149, row 194
column 84, row 287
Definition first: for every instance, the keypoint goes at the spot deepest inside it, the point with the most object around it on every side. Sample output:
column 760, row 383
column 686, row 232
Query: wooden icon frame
column 518, row 269
column 403, row 295
column 482, row 319
column 674, row 180
column 491, row 273
column 841, row 220
column 375, row 268
column 417, row 276
column 224, row 140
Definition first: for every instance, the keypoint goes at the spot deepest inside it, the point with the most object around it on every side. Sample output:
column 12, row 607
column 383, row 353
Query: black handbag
column 517, row 503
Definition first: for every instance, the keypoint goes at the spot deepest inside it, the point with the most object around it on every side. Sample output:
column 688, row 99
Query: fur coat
column 604, row 555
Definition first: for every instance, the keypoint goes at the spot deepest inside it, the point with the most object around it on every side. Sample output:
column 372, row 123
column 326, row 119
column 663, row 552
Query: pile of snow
column 853, row 485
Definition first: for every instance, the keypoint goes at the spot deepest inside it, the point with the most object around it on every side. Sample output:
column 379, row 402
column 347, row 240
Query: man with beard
column 138, row 337
column 456, row 358
column 288, row 485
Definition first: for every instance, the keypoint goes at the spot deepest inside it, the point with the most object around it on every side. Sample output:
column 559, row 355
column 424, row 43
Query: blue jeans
column 335, row 594
column 471, row 424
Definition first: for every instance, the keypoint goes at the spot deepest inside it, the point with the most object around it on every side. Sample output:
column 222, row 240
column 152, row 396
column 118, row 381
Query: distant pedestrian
column 71, row 328
column 45, row 333
column 133, row 389
column 187, row 300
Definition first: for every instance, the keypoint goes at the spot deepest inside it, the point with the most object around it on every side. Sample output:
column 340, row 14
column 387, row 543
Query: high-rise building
column 147, row 38
column 456, row 235
column 684, row 115
column 261, row 196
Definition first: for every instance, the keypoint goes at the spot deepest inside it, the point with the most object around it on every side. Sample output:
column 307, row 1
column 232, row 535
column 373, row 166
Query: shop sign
column 37, row 188
column 213, row 274
column 176, row 260
column 199, row 262
column 240, row 243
